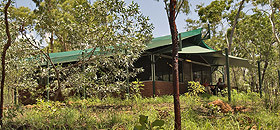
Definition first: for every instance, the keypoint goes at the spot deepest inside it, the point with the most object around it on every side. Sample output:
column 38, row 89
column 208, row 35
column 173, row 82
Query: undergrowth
column 116, row 113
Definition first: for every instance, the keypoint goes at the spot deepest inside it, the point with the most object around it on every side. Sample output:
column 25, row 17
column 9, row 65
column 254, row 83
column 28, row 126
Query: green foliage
column 112, row 27
column 116, row 113
column 135, row 89
column 181, row 7
column 20, row 72
column 253, row 39
column 213, row 13
column 194, row 88
column 146, row 124
column 88, row 26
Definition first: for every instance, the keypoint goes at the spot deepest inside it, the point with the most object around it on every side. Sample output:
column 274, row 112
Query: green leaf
column 143, row 120
column 139, row 128
column 158, row 123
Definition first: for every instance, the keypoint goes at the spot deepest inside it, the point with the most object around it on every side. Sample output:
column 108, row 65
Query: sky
column 154, row 10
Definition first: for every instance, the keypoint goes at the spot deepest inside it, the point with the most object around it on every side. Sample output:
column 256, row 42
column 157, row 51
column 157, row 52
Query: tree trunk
column 3, row 58
column 235, row 79
column 272, row 21
column 253, row 85
column 234, row 25
column 174, row 33
column 51, row 43
column 264, row 70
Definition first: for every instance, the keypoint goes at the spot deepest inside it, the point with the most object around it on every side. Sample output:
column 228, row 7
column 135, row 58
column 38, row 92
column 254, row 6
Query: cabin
column 196, row 60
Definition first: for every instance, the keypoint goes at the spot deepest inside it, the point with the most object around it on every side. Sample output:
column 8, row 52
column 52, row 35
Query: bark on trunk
column 234, row 25
column 174, row 33
column 3, row 58
column 51, row 43
column 235, row 79
column 264, row 70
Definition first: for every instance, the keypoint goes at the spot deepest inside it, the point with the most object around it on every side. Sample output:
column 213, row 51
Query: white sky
column 154, row 10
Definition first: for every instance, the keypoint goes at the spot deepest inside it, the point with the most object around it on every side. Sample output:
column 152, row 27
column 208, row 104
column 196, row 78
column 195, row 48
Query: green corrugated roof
column 70, row 56
column 189, row 38
column 206, row 46
column 166, row 40
column 192, row 44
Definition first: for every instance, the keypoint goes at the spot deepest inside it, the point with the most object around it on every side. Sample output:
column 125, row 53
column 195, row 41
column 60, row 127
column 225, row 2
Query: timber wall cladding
column 161, row 87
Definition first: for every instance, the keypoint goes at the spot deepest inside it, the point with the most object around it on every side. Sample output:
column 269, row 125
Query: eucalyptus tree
column 171, row 13
column 120, row 31
column 223, row 17
column 19, row 71
column 16, row 70
column 258, row 44
column 173, row 8
column 54, row 21
column 270, row 9
column 117, row 32
column 3, row 58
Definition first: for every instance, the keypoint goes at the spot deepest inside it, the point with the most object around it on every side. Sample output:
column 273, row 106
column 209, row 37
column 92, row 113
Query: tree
column 109, row 27
column 222, row 15
column 274, row 7
column 172, row 9
column 174, row 34
column 19, row 71
column 3, row 58
column 269, row 10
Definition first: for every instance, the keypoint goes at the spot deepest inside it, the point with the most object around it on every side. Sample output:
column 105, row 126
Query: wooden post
column 277, row 89
column 127, row 81
column 180, row 42
column 182, row 69
column 83, row 69
column 180, row 49
column 228, row 76
column 48, row 81
column 223, row 70
column 15, row 96
column 279, row 78
column 260, row 79
column 211, row 77
column 153, row 69
column 15, row 91
column 127, row 76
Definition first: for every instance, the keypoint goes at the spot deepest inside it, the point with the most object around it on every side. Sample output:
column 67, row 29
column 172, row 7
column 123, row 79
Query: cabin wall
column 161, row 88
column 163, row 74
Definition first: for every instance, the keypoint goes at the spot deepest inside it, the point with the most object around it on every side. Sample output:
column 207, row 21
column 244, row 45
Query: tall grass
column 116, row 113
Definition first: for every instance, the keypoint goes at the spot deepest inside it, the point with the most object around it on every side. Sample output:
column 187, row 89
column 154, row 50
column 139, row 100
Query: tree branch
column 178, row 9
column 46, row 55
column 88, row 55
column 234, row 25
column 166, row 9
